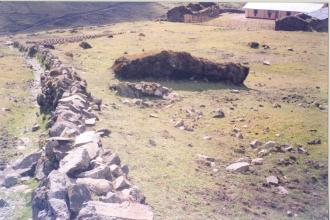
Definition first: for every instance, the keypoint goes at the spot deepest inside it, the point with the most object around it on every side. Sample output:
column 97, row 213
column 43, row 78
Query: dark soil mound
column 178, row 65
column 292, row 23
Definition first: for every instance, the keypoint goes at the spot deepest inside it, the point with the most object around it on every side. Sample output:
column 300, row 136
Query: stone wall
column 79, row 178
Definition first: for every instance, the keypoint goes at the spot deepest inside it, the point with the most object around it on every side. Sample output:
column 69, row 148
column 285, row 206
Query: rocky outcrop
column 74, row 170
column 178, row 65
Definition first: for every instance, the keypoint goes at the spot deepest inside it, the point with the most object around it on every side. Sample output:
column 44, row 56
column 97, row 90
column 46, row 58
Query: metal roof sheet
column 296, row 7
column 320, row 14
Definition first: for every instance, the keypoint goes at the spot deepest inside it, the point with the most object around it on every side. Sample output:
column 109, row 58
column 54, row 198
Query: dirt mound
column 301, row 22
column 178, row 65
column 292, row 23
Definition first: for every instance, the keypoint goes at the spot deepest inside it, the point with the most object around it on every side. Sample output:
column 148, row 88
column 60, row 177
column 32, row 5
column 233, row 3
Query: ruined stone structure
column 178, row 65
column 193, row 12
column 79, row 178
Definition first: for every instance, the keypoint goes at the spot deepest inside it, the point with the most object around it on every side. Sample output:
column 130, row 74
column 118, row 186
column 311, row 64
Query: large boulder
column 98, row 186
column 78, row 195
column 178, row 65
column 75, row 162
column 26, row 165
column 126, row 210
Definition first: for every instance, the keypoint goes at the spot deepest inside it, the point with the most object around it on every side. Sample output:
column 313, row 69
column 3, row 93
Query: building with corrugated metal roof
column 274, row 11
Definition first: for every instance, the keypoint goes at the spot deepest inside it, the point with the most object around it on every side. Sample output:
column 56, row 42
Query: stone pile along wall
column 79, row 179
column 62, row 40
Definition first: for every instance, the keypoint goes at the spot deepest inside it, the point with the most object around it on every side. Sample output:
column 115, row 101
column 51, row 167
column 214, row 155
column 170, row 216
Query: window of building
column 288, row 13
column 255, row 12
column 269, row 13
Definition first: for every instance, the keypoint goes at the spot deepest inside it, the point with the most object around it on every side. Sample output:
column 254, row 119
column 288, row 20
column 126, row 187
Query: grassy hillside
column 33, row 16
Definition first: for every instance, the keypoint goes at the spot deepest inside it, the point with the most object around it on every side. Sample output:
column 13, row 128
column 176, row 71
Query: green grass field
column 175, row 185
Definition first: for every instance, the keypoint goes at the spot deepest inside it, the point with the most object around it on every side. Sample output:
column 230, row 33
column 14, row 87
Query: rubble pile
column 178, row 65
column 143, row 89
column 62, row 40
column 209, row 9
column 79, row 178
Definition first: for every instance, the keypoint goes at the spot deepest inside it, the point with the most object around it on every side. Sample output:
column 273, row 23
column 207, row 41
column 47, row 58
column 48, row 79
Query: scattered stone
column 114, row 159
column 27, row 162
column 266, row 62
column 276, row 105
column 243, row 159
column 153, row 116
column 239, row 167
column 121, row 183
column 257, row 161
column 207, row 138
column 266, row 46
column 239, row 135
column 103, row 132
column 269, row 145
column 314, row 142
column 272, row 180
column 152, row 142
column 10, row 180
column 263, row 152
column 90, row 121
column 282, row 191
column 35, row 127
column 78, row 195
column 255, row 144
column 234, row 91
column 253, row 44
column 6, row 109
column 205, row 158
column 3, row 203
column 302, row 150
column 218, row 114
column 85, row 45
column 179, row 123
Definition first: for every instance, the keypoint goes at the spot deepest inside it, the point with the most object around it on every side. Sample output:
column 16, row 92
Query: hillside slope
column 33, row 16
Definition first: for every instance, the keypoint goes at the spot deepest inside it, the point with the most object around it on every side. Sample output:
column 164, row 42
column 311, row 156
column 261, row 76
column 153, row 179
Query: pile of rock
column 79, row 179
column 144, row 89
column 302, row 22
column 54, row 41
column 178, row 65
column 176, row 14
